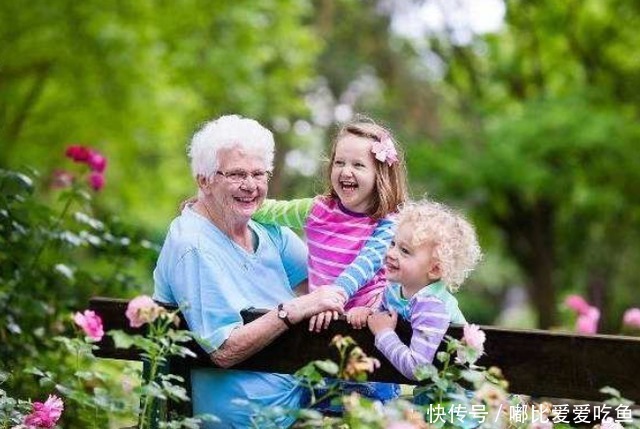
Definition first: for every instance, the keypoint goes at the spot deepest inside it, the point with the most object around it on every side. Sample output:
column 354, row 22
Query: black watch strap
column 284, row 315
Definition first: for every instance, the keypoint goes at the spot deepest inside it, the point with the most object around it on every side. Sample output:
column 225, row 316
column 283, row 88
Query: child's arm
column 429, row 323
column 369, row 260
column 286, row 213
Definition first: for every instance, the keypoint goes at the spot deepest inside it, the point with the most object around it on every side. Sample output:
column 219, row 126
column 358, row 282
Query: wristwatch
column 284, row 315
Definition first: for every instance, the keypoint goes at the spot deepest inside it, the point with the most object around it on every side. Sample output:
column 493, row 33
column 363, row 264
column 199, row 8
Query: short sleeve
column 293, row 252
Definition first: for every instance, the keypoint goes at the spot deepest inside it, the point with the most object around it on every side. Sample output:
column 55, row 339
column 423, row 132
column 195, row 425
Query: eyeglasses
column 240, row 176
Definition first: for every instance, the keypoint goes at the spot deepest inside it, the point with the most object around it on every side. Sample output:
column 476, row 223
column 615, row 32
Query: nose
column 346, row 171
column 392, row 253
column 249, row 183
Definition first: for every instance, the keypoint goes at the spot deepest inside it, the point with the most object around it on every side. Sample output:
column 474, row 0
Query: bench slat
column 536, row 363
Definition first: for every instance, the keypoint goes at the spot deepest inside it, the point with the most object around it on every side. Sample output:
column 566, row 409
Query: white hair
column 228, row 132
column 454, row 239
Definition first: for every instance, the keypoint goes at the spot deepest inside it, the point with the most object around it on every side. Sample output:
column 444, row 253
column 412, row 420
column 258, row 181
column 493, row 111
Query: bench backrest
column 536, row 363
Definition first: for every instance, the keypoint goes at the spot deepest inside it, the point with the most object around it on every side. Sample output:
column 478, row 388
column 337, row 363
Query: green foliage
column 97, row 398
column 52, row 259
column 136, row 79
column 444, row 389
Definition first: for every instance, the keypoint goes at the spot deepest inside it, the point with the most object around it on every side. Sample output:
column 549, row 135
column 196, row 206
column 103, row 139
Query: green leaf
column 327, row 366
column 121, row 339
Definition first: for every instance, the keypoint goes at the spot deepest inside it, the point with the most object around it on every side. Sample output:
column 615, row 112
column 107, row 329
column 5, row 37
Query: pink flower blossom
column 90, row 323
column 45, row 415
column 577, row 304
column 96, row 181
column 142, row 309
column 384, row 150
column 610, row 423
column 632, row 317
column 78, row 153
column 472, row 346
column 61, row 179
column 587, row 323
column 474, row 337
column 96, row 161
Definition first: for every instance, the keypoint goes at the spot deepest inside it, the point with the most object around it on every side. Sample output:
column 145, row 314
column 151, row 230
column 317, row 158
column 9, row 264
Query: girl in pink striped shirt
column 349, row 228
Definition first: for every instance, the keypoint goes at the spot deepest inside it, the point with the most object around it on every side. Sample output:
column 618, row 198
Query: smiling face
column 235, row 203
column 353, row 173
column 411, row 265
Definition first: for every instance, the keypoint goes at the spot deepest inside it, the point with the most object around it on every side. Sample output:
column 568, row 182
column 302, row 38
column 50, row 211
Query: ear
column 434, row 272
column 203, row 183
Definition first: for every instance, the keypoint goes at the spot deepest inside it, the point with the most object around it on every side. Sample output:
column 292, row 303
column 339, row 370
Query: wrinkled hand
column 357, row 316
column 378, row 322
column 321, row 300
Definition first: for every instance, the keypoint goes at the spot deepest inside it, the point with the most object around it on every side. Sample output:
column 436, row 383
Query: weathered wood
column 536, row 363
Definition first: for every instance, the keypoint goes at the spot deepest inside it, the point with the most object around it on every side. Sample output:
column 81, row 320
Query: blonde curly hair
column 454, row 240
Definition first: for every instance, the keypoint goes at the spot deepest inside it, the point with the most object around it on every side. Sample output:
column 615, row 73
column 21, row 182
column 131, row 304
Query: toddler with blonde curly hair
column 434, row 250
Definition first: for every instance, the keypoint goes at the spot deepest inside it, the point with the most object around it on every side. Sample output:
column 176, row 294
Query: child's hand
column 321, row 321
column 378, row 322
column 357, row 316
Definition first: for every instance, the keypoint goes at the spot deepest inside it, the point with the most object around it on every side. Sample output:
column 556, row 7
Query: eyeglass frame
column 244, row 176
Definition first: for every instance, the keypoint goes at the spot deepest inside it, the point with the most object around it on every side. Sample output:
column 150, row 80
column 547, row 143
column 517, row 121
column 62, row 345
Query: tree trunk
column 530, row 239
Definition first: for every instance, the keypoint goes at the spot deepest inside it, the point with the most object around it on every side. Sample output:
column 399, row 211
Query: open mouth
column 348, row 186
column 391, row 266
column 245, row 200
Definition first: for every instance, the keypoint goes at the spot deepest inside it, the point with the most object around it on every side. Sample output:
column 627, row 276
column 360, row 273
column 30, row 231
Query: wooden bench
column 536, row 363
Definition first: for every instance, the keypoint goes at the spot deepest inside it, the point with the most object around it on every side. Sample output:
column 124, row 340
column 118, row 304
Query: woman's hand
column 326, row 299
column 357, row 316
column 381, row 321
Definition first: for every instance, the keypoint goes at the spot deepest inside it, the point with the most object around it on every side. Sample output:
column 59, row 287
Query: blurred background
column 522, row 114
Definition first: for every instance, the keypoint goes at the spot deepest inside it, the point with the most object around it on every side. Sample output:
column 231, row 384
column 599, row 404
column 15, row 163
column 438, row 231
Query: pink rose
column 474, row 337
column 588, row 323
column 78, row 153
column 96, row 181
column 90, row 323
column 96, row 161
column 142, row 309
column 45, row 415
column 632, row 317
column 577, row 304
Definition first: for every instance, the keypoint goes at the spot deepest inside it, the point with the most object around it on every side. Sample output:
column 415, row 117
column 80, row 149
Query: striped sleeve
column 369, row 260
column 292, row 214
column 429, row 323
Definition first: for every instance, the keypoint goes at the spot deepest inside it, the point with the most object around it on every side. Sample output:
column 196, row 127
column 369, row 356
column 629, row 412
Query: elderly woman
column 216, row 262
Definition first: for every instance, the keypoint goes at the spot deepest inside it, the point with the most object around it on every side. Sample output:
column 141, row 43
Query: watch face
column 282, row 314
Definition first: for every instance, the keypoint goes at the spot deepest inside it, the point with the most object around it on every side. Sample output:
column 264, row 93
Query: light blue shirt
column 201, row 269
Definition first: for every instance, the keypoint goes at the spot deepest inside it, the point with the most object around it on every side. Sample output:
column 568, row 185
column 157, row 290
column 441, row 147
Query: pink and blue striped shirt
column 345, row 248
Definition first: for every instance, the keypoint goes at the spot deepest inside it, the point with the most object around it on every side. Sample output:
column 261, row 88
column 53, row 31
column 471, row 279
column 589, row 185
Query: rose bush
column 56, row 254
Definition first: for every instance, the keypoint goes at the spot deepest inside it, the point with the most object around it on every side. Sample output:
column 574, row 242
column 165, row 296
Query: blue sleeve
column 369, row 260
column 293, row 252
column 205, row 297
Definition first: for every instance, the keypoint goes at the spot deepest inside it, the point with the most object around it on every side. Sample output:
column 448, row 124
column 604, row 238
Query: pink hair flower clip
column 384, row 150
